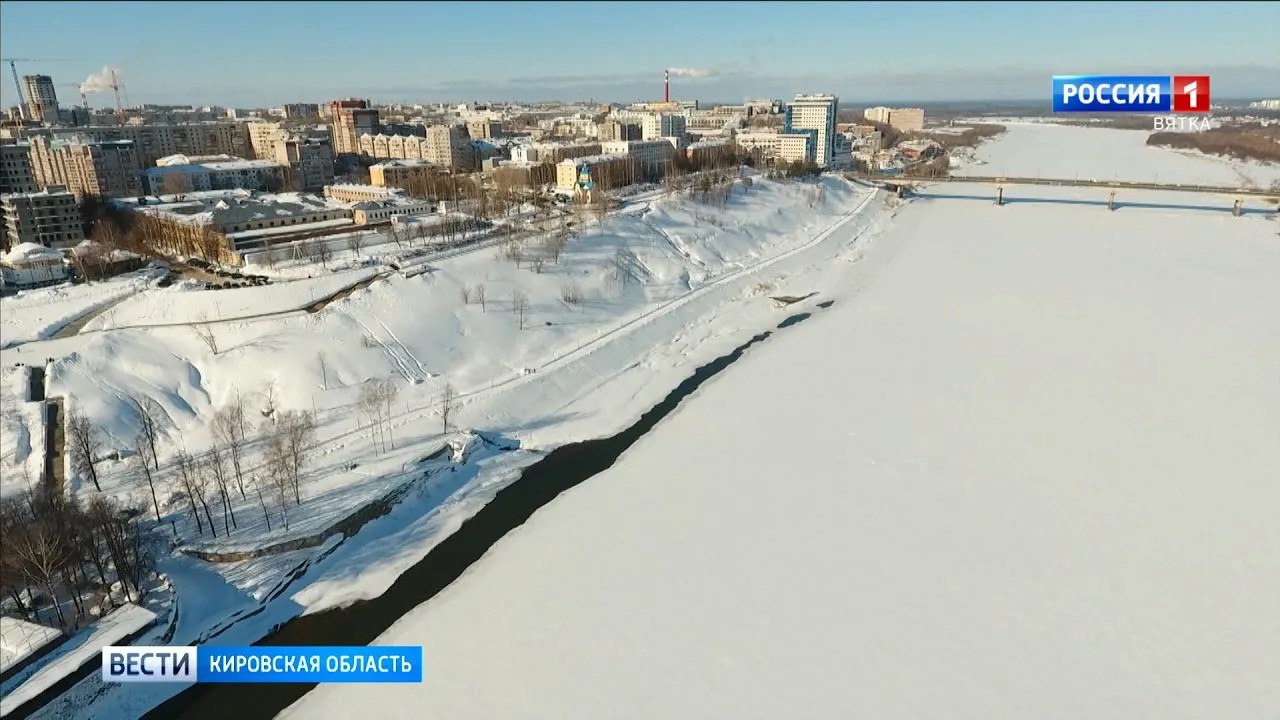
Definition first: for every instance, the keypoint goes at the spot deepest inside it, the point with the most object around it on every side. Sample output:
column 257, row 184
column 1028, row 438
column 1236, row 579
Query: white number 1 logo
column 1190, row 89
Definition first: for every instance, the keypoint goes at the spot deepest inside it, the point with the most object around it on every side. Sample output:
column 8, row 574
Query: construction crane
column 115, row 85
column 84, row 100
column 17, row 84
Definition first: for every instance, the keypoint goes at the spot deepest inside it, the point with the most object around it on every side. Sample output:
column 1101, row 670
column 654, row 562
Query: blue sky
column 259, row 53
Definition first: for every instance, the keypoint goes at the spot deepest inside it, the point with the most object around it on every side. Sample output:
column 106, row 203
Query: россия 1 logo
column 1131, row 93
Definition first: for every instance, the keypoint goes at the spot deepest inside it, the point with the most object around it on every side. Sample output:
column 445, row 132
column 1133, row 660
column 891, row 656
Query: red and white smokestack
column 666, row 86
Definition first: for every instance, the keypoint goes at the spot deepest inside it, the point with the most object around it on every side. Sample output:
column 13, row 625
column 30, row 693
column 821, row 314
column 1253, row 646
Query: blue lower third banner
column 228, row 664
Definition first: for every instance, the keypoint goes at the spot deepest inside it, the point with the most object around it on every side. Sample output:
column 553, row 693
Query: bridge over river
column 900, row 185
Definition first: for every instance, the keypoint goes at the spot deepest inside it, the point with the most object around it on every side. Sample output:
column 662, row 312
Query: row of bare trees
column 58, row 551
column 374, row 403
column 208, row 483
column 151, row 236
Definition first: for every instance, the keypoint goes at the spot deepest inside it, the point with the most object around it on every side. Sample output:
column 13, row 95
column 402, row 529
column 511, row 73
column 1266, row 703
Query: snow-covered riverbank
column 698, row 280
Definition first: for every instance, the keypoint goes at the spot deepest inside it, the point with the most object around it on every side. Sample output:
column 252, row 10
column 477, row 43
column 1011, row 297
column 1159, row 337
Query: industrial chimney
column 666, row 86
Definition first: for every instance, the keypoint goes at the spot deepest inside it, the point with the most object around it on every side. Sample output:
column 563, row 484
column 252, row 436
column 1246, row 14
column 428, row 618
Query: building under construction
column 42, row 98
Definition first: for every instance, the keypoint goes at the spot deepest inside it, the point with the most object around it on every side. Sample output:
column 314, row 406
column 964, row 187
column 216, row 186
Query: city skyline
column 295, row 52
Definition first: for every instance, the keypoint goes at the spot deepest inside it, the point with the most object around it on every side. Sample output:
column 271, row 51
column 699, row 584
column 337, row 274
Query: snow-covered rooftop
column 222, row 207
column 410, row 162
column 180, row 159
column 357, row 187
column 28, row 251
column 48, row 191
column 709, row 143
column 591, row 159
column 224, row 165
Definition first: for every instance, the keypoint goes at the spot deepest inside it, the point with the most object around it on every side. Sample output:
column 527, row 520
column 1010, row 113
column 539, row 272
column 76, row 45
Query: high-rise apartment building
column 484, row 129
column 152, row 142
column 86, row 167
column 350, row 119
column 814, row 115
column 905, row 119
column 618, row 130
column 50, row 217
column 263, row 136
column 660, row 125
column 16, row 175
column 41, row 97
column 310, row 160
column 448, row 145
column 297, row 111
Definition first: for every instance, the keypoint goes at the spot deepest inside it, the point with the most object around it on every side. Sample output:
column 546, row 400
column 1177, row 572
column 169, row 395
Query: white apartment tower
column 41, row 97
column 814, row 115
column 660, row 125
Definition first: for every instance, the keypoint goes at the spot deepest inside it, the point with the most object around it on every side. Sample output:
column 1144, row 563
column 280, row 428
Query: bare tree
column 570, row 294
column 600, row 208
column 268, row 253
column 215, row 471
column 466, row 294
column 397, row 236
column 142, row 455
column 257, row 485
column 448, row 404
column 515, row 251
column 13, row 521
column 229, row 428
column 370, row 403
column 85, row 443
column 386, row 393
column 520, row 306
column 152, row 421
column 479, row 295
column 622, row 264
column 124, row 539
column 324, row 369
column 555, row 245
column 88, row 261
column 42, row 555
column 323, row 252
column 355, row 242
column 204, row 331
column 188, row 476
column 268, row 394
column 280, row 483
column 288, row 447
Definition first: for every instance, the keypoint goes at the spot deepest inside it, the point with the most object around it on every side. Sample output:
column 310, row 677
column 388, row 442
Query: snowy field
column 1022, row 468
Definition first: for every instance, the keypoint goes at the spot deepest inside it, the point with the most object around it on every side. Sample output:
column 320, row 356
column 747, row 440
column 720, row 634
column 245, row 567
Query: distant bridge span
column 899, row 184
